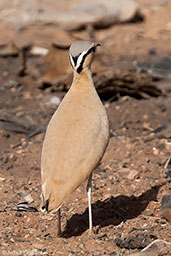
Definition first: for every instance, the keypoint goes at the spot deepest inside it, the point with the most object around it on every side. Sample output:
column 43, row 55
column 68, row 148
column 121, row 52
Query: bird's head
column 81, row 54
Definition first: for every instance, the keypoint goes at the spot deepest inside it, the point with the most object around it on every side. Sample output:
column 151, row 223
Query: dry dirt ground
column 129, row 184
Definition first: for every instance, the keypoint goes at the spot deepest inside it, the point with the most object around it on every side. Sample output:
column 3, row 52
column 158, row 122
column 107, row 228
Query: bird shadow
column 112, row 210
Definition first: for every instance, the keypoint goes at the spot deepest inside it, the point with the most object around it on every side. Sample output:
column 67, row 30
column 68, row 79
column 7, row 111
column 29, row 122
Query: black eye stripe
column 75, row 58
column 93, row 49
column 80, row 68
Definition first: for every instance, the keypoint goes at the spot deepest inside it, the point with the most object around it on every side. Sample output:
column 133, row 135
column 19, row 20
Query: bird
column 76, row 137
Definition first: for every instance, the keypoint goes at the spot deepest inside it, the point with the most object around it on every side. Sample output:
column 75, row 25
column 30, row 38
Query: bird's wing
column 72, row 148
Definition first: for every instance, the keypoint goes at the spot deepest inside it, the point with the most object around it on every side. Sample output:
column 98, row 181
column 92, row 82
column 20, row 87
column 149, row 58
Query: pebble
column 145, row 117
column 110, row 177
column 54, row 101
column 2, row 178
column 143, row 167
column 11, row 83
column 20, row 113
column 36, row 50
column 27, row 236
column 18, row 214
column 28, row 220
column 20, row 151
column 132, row 174
column 38, row 246
column 12, row 157
column 155, row 151
column 22, row 193
column 5, row 159
column 13, row 89
column 26, row 95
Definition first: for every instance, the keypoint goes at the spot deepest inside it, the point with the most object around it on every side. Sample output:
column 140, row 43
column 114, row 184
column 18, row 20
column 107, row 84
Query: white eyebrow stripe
column 80, row 59
column 72, row 62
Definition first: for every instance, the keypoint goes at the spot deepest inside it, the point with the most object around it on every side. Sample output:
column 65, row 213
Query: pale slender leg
column 59, row 222
column 89, row 185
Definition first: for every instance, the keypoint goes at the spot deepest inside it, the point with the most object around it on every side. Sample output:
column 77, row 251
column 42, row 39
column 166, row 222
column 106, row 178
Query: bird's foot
column 91, row 233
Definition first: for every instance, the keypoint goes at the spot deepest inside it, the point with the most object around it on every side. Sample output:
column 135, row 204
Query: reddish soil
column 129, row 184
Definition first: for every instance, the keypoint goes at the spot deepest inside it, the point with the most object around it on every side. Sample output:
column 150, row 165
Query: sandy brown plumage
column 75, row 140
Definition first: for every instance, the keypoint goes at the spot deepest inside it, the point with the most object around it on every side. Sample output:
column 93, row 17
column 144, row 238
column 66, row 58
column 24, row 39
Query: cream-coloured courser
column 76, row 137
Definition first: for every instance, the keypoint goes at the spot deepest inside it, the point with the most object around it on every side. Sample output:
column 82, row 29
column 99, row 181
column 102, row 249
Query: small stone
column 145, row 117
column 13, row 90
column 132, row 174
column 22, row 193
column 5, row 159
column 11, row 83
column 110, row 177
column 2, row 178
column 143, row 167
column 12, row 157
column 12, row 240
column 28, row 219
column 18, row 214
column 20, row 151
column 54, row 101
column 155, row 151
column 26, row 95
column 27, row 236
column 38, row 246
column 20, row 113
column 163, row 141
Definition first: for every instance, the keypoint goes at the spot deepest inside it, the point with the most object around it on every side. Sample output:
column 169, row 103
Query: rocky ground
column 130, row 182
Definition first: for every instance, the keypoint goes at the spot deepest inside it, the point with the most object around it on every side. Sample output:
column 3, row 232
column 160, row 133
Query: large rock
column 70, row 15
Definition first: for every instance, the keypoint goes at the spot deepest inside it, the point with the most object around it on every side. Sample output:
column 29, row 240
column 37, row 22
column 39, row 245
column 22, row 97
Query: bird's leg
column 89, row 185
column 59, row 222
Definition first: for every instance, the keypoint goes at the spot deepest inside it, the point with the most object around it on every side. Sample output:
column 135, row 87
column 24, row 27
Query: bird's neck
column 83, row 79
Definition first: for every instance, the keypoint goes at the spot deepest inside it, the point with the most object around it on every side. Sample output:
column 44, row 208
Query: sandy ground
column 129, row 184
